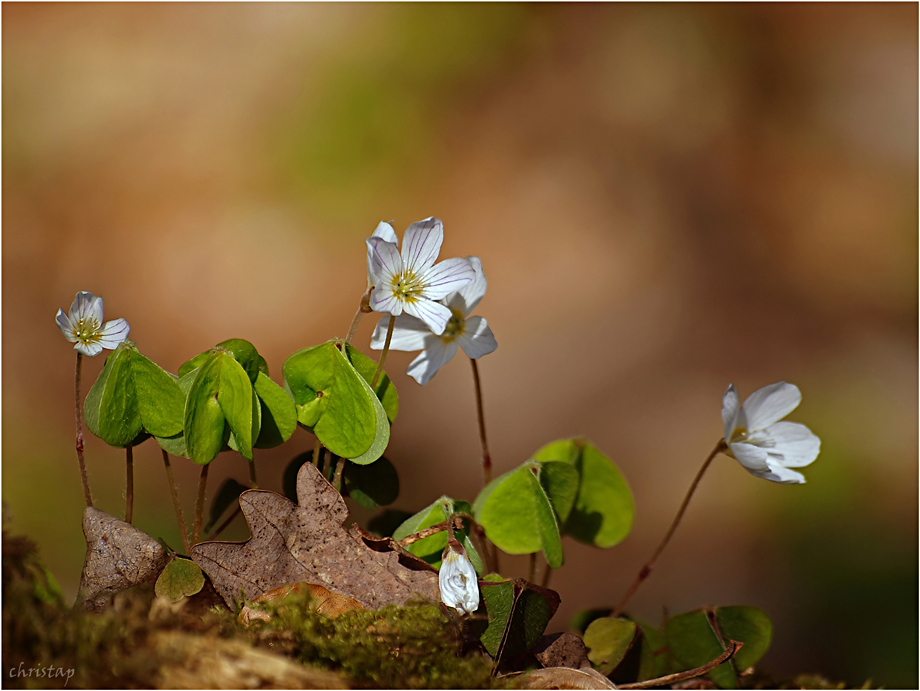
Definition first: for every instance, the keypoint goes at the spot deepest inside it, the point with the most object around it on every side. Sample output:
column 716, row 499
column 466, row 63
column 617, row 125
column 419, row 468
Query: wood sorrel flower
column 470, row 333
column 410, row 281
column 457, row 579
column 766, row 447
column 83, row 326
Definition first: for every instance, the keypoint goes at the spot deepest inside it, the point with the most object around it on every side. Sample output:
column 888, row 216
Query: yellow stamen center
column 407, row 286
column 456, row 325
column 87, row 330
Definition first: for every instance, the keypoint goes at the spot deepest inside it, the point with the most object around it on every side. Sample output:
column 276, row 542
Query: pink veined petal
column 731, row 405
column 770, row 404
column 437, row 353
column 794, row 445
column 383, row 261
column 385, row 232
column 466, row 299
column 113, row 333
column 90, row 349
column 434, row 314
column 781, row 475
column 421, row 245
column 86, row 306
column 408, row 334
column 383, row 300
column 65, row 325
column 477, row 339
column 446, row 277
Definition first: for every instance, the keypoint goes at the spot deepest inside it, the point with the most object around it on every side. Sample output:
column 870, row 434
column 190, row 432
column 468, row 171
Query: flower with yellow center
column 755, row 437
column 409, row 281
column 83, row 326
column 472, row 334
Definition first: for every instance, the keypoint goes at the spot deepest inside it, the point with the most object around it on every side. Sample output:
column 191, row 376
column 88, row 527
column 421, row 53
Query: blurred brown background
column 665, row 198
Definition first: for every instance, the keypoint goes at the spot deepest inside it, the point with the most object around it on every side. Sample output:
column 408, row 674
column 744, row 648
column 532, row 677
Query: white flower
column 83, row 326
column 766, row 447
column 470, row 333
column 457, row 580
column 411, row 282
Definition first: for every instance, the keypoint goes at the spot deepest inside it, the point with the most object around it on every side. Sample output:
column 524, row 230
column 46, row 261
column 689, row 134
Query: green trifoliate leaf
column 241, row 350
column 175, row 444
column 132, row 397
column 693, row 639
column 517, row 513
column 518, row 614
column 181, row 578
column 431, row 548
column 608, row 640
column 336, row 403
column 279, row 416
column 385, row 390
column 603, row 511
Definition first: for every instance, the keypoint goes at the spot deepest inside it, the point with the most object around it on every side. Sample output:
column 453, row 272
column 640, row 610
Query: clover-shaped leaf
column 608, row 640
column 431, row 548
column 518, row 614
column 602, row 514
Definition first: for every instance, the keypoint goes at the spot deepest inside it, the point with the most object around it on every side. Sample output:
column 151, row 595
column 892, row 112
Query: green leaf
column 518, row 614
column 175, row 444
column 160, row 401
column 608, row 640
column 204, row 420
column 560, row 483
column 385, row 390
column 110, row 408
column 693, row 639
column 227, row 495
column 653, row 659
column 603, row 512
column 431, row 548
column 372, row 485
column 242, row 351
column 181, row 578
column 517, row 514
column 279, row 416
column 239, row 404
column 336, row 403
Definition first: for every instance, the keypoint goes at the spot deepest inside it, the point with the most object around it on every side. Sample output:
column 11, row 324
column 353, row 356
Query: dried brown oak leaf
column 118, row 556
column 307, row 542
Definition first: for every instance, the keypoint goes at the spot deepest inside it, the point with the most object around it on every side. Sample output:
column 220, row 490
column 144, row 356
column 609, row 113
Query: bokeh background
column 665, row 198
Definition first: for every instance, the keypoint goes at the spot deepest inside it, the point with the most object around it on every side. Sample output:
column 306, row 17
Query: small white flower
column 766, row 447
column 470, row 333
column 83, row 326
column 457, row 580
column 410, row 281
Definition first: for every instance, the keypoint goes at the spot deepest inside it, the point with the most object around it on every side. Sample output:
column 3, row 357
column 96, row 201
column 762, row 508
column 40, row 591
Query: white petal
column 434, row 314
column 385, row 231
column 383, row 301
column 446, row 277
column 458, row 583
column 91, row 349
column 731, row 406
column 113, row 333
column 65, row 325
column 421, row 244
column 477, row 339
column 437, row 353
column 408, row 334
column 86, row 306
column 782, row 475
column 794, row 445
column 770, row 404
column 753, row 458
column 383, row 261
column 466, row 299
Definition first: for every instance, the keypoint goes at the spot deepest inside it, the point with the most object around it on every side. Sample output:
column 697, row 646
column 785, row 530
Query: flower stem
column 486, row 457
column 354, row 325
column 175, row 497
column 253, row 482
column 646, row 570
column 79, row 414
column 383, row 354
column 339, row 469
column 318, row 455
column 199, row 505
column 129, row 483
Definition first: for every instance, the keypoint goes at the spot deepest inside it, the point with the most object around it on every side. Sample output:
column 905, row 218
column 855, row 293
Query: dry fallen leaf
column 306, row 542
column 566, row 678
column 561, row 650
column 323, row 600
column 118, row 556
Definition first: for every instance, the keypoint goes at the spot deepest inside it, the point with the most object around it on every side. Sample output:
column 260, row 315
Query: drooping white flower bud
column 457, row 580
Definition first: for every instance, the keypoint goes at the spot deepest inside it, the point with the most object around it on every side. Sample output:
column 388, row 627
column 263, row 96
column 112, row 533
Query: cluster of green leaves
column 628, row 651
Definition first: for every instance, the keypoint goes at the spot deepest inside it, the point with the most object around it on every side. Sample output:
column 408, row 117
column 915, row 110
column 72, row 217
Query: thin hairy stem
column 199, row 504
column 79, row 415
column 383, row 354
column 129, row 483
column 646, row 570
column 354, row 325
column 175, row 498
column 318, row 455
column 483, row 440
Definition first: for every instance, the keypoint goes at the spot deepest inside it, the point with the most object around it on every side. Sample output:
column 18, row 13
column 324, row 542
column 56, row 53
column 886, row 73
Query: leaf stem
column 175, row 497
column 486, row 457
column 337, row 478
column 544, row 582
column 199, row 505
column 253, row 482
column 383, row 354
column 454, row 521
column 79, row 443
column 318, row 454
column 129, row 483
column 646, row 570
